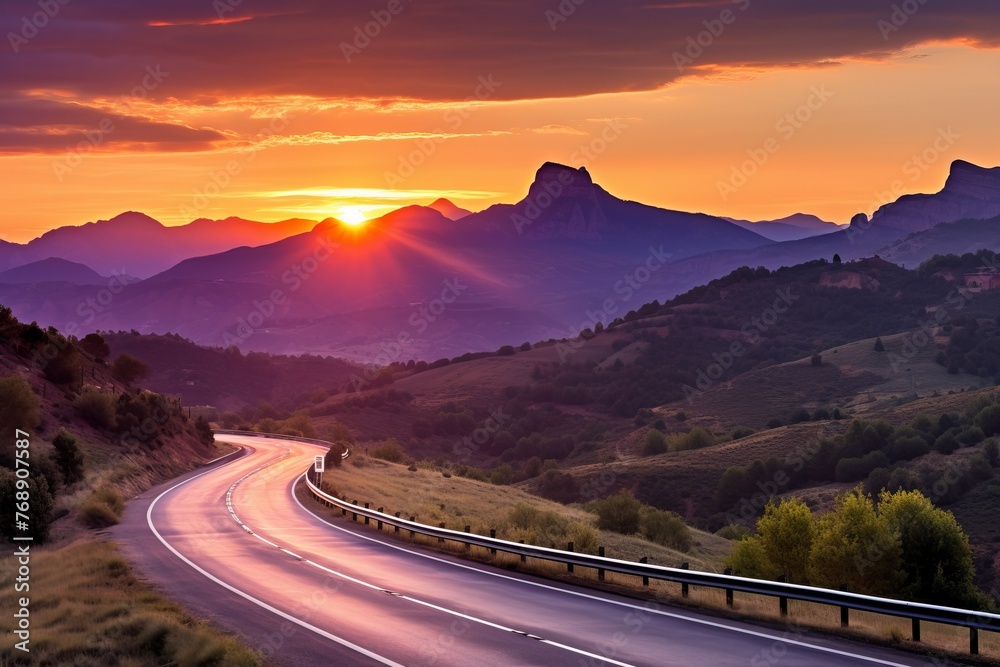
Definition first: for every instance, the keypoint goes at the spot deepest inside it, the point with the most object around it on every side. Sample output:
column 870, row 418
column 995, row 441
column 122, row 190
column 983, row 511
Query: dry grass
column 804, row 618
column 89, row 609
column 460, row 502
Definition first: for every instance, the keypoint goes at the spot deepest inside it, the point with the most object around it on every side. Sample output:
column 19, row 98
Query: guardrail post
column 915, row 627
column 974, row 641
column 845, row 612
column 354, row 515
column 600, row 570
column 569, row 566
column 729, row 591
column 524, row 559
column 441, row 539
column 367, row 519
column 645, row 579
column 396, row 528
column 684, row 587
column 468, row 547
column 493, row 534
column 782, row 600
column 380, row 509
column 412, row 533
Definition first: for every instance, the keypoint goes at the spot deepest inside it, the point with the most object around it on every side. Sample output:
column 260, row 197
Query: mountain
column 136, row 244
column 970, row 193
column 417, row 284
column 794, row 227
column 413, row 283
column 52, row 270
column 448, row 209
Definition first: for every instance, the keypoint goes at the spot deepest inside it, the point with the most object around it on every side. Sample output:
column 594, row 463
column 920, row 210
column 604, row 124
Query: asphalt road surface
column 233, row 544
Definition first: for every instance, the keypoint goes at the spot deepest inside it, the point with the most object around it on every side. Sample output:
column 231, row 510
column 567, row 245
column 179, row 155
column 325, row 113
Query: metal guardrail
column 916, row 611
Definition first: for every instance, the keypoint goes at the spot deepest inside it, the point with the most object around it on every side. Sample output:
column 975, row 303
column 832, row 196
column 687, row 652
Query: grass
column 88, row 608
column 457, row 502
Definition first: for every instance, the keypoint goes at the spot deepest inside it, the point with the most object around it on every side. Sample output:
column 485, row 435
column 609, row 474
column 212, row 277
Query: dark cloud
column 45, row 126
column 437, row 49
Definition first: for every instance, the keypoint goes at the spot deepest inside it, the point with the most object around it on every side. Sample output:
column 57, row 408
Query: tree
column 129, row 369
column 39, row 510
column 335, row 457
column 18, row 410
column 836, row 258
column 879, row 347
column 936, row 563
column 856, row 546
column 68, row 457
column 748, row 559
column 64, row 368
column 786, row 532
column 95, row 345
column 816, row 359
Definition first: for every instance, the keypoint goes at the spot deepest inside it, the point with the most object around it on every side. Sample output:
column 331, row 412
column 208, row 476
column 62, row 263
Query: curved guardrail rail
column 916, row 611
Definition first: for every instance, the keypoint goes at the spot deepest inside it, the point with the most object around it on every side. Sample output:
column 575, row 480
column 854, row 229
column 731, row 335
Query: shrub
column 129, row 369
column 879, row 346
column 390, row 450
column 68, row 457
column 774, row 423
column 97, row 407
column 102, row 508
column 988, row 419
column 993, row 453
column 947, row 443
column 502, row 474
column 505, row 351
column 855, row 469
column 204, row 431
column 656, row 443
column 64, row 368
column 620, row 513
column 95, row 345
column 18, row 410
column 40, row 509
column 584, row 537
column 971, row 435
column 525, row 347
column 696, row 438
column 666, row 528
column 733, row 532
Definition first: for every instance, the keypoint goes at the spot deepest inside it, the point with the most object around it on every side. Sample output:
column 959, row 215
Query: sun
column 353, row 216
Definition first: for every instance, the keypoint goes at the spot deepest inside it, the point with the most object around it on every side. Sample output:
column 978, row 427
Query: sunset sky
column 268, row 111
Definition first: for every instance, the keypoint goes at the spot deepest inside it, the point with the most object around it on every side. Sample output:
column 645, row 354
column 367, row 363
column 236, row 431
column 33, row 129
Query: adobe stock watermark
column 220, row 179
column 293, row 277
column 95, row 138
column 32, row 25
column 454, row 118
column 899, row 16
column 914, row 167
column 752, row 331
column 786, row 128
column 562, row 12
column 419, row 320
column 88, row 308
column 625, row 288
column 370, row 30
column 701, row 42
column 583, row 155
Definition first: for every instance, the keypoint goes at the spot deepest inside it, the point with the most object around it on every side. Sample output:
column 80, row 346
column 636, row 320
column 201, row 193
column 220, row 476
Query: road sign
column 319, row 463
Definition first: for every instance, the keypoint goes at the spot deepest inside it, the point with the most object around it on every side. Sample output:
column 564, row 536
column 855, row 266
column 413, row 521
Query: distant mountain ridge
column 139, row 245
column 422, row 285
column 53, row 269
column 790, row 228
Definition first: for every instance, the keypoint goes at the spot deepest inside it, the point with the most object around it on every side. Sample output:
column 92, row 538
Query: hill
column 794, row 227
column 227, row 379
column 52, row 270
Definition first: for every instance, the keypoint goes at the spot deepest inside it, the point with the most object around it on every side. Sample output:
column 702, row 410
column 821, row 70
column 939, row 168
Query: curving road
column 308, row 592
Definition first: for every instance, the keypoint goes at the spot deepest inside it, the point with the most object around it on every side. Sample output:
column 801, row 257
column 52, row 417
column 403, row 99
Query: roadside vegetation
column 89, row 609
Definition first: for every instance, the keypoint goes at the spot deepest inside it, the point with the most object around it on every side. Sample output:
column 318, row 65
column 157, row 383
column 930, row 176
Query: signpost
column 319, row 463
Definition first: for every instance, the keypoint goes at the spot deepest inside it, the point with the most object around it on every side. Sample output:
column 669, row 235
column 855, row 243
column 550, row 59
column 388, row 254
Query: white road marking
column 619, row 603
column 247, row 596
column 588, row 596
